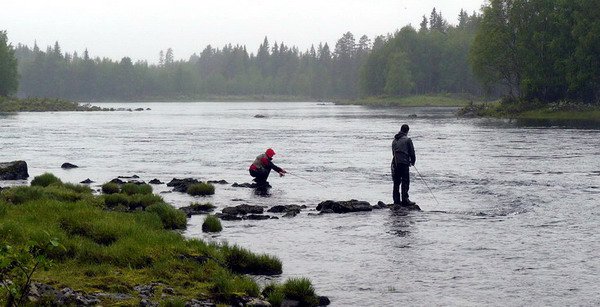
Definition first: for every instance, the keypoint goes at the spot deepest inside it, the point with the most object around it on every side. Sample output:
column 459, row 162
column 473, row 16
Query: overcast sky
column 140, row 29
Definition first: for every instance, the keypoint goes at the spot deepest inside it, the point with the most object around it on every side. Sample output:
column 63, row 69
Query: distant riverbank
column 43, row 105
column 412, row 101
column 560, row 111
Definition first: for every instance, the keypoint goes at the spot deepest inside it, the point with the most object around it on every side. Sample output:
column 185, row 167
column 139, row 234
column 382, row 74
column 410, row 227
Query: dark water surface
column 517, row 222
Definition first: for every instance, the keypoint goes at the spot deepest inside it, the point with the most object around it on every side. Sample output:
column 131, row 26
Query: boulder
column 68, row 165
column 257, row 217
column 243, row 210
column 155, row 181
column 16, row 170
column 117, row 181
column 286, row 208
column 197, row 209
column 397, row 207
column 218, row 181
column 181, row 185
column 87, row 181
column 228, row 217
column 330, row 206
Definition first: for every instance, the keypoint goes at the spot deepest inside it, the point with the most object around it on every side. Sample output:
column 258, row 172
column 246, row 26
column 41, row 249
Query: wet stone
column 68, row 165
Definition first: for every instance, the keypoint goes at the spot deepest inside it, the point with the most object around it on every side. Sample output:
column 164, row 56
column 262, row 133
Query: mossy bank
column 106, row 247
column 448, row 100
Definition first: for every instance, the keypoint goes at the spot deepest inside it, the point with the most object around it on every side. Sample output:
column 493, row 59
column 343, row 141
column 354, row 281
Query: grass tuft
column 45, row 180
column 171, row 218
column 110, row 188
column 201, row 189
column 241, row 260
column 301, row 290
column 211, row 224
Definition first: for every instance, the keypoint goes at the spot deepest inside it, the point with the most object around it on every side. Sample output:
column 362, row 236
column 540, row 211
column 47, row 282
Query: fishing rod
column 321, row 184
column 438, row 203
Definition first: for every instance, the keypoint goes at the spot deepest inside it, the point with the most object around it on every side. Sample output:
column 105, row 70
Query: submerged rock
column 256, row 217
column 228, row 217
column 218, row 181
column 155, row 181
column 129, row 177
column 16, row 170
column 117, row 181
column 285, row 208
column 87, row 181
column 244, row 185
column 68, row 165
column 353, row 205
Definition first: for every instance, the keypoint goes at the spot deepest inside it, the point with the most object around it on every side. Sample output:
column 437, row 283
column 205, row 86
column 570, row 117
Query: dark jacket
column 403, row 150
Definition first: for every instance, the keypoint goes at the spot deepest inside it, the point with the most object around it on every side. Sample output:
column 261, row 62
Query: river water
column 516, row 222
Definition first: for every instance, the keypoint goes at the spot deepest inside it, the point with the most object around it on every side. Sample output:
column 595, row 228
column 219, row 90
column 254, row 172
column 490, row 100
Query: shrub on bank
column 211, row 224
column 170, row 217
column 114, row 200
column 45, row 180
column 110, row 188
column 241, row 260
column 297, row 289
column 78, row 188
column 201, row 189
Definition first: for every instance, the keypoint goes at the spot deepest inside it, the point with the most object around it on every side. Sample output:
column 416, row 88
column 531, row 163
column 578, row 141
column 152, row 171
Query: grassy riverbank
column 115, row 243
column 43, row 105
column 412, row 101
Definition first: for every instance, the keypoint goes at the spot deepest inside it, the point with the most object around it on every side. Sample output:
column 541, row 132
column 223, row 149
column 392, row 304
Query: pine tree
column 8, row 67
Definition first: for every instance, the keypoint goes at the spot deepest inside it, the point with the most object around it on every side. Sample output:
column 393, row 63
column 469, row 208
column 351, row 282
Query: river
column 516, row 222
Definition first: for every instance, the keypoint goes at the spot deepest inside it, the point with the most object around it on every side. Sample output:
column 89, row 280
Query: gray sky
column 140, row 29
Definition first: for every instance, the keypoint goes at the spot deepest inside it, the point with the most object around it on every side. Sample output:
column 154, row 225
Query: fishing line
column 420, row 176
column 321, row 184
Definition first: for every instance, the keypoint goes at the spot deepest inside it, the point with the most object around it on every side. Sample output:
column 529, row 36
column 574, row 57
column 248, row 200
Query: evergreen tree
column 8, row 67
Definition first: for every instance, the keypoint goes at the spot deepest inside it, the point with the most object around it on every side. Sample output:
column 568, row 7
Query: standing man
column 261, row 168
column 404, row 156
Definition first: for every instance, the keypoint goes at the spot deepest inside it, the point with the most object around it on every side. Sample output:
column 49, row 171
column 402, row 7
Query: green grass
column 448, row 100
column 112, row 251
column 45, row 180
column 201, row 189
column 211, row 224
column 170, row 217
column 534, row 110
column 241, row 260
column 297, row 289
column 110, row 188
column 42, row 105
column 132, row 188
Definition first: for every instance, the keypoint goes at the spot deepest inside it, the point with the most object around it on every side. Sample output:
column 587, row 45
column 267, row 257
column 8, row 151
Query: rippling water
column 516, row 222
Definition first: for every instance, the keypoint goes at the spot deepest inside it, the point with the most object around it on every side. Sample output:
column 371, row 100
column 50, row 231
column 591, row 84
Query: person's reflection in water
column 262, row 190
column 401, row 222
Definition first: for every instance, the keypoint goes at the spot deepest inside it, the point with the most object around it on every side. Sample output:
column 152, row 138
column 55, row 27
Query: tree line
column 540, row 50
column 526, row 50
column 275, row 69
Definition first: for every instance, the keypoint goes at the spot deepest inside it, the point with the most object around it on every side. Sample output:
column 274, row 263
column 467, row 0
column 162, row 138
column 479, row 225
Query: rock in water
column 68, row 165
column 352, row 205
column 16, row 170
column 395, row 207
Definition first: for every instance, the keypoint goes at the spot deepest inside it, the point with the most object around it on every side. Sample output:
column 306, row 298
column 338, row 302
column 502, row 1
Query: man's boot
column 407, row 202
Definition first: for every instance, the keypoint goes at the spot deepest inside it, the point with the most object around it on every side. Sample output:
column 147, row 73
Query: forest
column 524, row 50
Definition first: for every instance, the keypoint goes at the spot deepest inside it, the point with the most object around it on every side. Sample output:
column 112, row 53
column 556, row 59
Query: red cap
column 270, row 153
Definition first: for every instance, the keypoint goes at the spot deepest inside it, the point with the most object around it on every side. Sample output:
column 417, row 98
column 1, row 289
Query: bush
column 211, row 224
column 301, row 290
column 78, row 188
column 129, row 188
column 201, row 189
column 114, row 200
column 241, row 260
column 110, row 188
column 45, row 180
column 144, row 200
column 133, row 188
column 170, row 217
